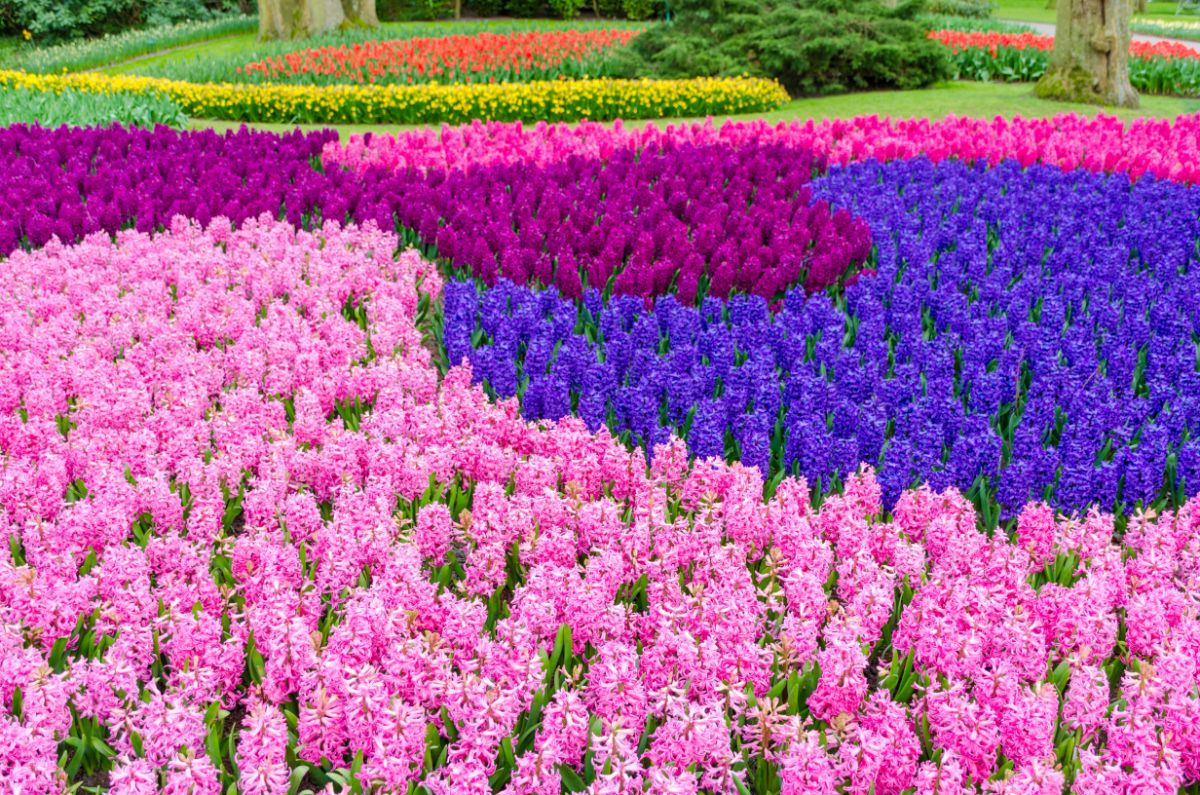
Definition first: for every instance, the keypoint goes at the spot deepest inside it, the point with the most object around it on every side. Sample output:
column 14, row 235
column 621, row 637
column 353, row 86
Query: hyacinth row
column 481, row 57
column 1022, row 335
column 71, row 183
column 291, row 557
column 265, row 536
column 688, row 220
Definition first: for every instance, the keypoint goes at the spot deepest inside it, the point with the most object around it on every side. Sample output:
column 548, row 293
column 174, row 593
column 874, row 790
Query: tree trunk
column 360, row 12
column 298, row 19
column 1090, row 61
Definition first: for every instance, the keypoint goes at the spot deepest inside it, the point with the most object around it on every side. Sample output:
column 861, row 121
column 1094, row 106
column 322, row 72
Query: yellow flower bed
column 557, row 100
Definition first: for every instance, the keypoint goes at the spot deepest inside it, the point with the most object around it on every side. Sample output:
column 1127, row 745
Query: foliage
column 566, row 9
column 86, row 54
column 640, row 9
column 58, row 20
column 525, row 8
column 551, row 100
column 810, row 46
column 409, row 10
column 84, row 109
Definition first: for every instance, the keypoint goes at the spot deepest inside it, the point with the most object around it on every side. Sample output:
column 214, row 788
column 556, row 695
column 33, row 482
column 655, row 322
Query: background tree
column 1090, row 61
column 297, row 19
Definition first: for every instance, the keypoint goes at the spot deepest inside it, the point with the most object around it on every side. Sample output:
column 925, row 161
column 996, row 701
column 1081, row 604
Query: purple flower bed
column 1041, row 324
column 70, row 183
column 686, row 220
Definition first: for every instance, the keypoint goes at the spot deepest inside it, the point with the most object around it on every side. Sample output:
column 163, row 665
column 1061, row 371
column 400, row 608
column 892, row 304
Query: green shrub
column 640, row 9
column 810, row 46
column 61, row 20
column 525, row 8
column 485, row 8
column 566, row 9
column 413, row 10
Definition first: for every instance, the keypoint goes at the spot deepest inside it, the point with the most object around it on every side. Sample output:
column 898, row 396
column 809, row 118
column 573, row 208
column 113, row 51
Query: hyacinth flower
column 67, row 183
column 262, row 541
column 252, row 527
column 688, row 220
column 1163, row 148
column 1012, row 353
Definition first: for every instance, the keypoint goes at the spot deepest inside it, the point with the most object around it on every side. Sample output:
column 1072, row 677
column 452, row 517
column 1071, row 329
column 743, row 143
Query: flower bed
column 433, row 103
column 691, row 221
column 1155, row 67
column 1098, row 144
column 260, row 541
column 479, row 58
column 945, row 365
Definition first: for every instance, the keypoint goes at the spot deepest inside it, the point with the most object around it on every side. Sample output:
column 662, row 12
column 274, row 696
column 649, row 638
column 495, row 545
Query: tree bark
column 1090, row 61
column 298, row 19
column 360, row 12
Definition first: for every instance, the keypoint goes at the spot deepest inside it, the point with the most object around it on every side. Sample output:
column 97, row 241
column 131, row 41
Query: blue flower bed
column 1037, row 323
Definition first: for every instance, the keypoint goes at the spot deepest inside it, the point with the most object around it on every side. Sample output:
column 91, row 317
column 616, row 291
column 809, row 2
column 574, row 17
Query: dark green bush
column 525, row 8
column 566, row 9
column 58, row 20
column 810, row 46
column 485, row 8
column 413, row 10
column 612, row 9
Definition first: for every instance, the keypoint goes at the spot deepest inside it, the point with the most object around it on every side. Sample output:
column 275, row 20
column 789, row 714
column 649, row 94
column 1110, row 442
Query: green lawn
column 979, row 100
column 226, row 45
column 1037, row 11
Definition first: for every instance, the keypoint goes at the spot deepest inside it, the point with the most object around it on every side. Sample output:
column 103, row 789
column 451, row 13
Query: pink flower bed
column 1160, row 148
column 254, row 527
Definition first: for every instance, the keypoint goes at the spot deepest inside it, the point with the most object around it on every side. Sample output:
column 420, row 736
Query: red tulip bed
column 477, row 58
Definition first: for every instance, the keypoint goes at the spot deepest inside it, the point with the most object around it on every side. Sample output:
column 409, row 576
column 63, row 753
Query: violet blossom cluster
column 684, row 219
column 1026, row 334
column 67, row 182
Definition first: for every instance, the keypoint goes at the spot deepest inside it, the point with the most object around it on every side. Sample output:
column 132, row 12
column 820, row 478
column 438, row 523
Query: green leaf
column 571, row 782
column 298, row 774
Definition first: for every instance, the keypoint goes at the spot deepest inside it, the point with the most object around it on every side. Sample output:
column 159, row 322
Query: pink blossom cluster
column 1157, row 147
column 256, row 537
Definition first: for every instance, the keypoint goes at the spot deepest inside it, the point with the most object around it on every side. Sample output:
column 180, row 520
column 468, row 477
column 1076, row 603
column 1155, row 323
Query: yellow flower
column 28, row 36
